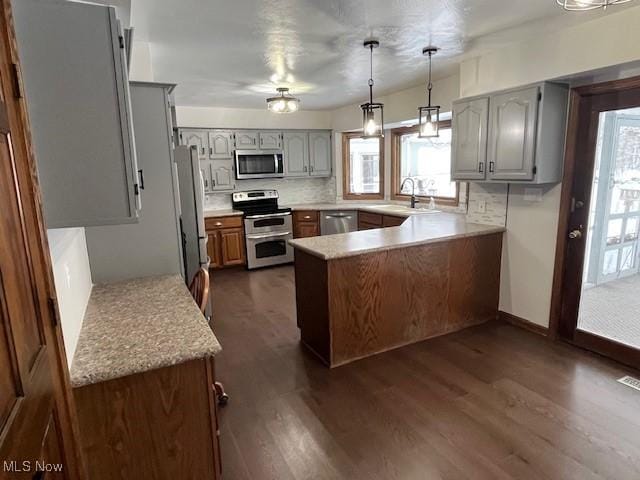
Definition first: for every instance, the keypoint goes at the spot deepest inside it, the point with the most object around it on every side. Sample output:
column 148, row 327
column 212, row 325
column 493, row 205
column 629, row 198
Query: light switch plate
column 532, row 194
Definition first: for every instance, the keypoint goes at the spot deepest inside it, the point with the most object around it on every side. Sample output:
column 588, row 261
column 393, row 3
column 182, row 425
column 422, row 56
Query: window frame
column 396, row 133
column 346, row 177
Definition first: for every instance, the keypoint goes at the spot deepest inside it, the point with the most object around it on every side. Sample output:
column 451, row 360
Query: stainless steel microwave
column 259, row 164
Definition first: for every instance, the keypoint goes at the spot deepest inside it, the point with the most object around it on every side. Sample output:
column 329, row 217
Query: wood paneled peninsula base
column 366, row 292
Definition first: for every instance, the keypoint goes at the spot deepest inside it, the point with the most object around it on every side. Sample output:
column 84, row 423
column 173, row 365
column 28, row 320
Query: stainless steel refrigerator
column 191, row 188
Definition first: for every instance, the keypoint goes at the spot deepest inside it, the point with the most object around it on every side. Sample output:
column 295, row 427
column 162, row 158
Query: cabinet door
column 392, row 221
column 81, row 128
column 306, row 229
column 220, row 144
column 213, row 249
column 206, row 171
column 512, row 134
column 320, row 154
column 232, row 246
column 246, row 140
column 469, row 140
column 197, row 138
column 270, row 140
column 222, row 175
column 296, row 154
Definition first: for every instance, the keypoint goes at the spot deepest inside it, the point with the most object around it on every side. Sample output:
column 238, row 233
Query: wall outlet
column 482, row 206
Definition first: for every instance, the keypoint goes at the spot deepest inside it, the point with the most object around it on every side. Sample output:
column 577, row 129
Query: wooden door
column 296, row 154
column 246, row 140
column 27, row 411
column 270, row 140
column 221, row 144
column 37, row 415
column 213, row 250
column 589, row 309
column 512, row 135
column 469, row 139
column 306, row 229
column 232, row 246
column 320, row 154
column 197, row 138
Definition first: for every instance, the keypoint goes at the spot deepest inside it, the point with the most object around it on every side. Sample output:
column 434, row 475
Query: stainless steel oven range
column 268, row 228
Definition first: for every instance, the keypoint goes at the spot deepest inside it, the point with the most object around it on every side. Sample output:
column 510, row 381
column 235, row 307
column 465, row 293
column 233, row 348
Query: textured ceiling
column 234, row 53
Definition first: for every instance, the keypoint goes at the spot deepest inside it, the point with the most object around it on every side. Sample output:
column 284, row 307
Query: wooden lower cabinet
column 226, row 245
column 368, row 221
column 306, row 223
column 392, row 221
column 160, row 425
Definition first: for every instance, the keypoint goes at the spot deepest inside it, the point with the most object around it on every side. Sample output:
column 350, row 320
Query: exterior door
column 320, row 154
column 512, row 134
column 296, row 154
column 469, row 139
column 596, row 297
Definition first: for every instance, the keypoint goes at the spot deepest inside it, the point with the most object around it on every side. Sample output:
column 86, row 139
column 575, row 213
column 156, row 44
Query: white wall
column 141, row 68
column 529, row 249
column 72, row 276
column 219, row 117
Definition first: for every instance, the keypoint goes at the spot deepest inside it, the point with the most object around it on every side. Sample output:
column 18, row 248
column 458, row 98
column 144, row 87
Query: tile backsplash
column 495, row 198
column 291, row 190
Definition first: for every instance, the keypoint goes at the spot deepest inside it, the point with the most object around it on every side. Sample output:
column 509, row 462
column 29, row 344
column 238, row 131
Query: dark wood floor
column 491, row 402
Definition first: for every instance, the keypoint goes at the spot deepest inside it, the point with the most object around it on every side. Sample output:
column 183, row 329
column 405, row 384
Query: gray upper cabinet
column 270, row 140
column 296, row 154
column 196, row 138
column 469, row 139
column 77, row 91
column 512, row 135
column 222, row 175
column 221, row 144
column 246, row 140
column 320, row 154
column 523, row 141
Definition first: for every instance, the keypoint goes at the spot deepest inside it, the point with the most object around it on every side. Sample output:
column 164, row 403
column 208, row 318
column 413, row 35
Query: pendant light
column 283, row 103
column 372, row 112
column 583, row 5
column 429, row 116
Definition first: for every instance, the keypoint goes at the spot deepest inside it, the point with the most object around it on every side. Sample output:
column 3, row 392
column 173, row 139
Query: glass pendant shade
column 429, row 122
column 372, row 112
column 583, row 5
column 284, row 103
column 429, row 116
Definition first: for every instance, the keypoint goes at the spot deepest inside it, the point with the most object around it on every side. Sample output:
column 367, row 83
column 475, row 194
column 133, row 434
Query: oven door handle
column 267, row 235
column 284, row 214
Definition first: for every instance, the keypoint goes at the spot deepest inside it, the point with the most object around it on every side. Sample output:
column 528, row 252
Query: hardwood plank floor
column 490, row 402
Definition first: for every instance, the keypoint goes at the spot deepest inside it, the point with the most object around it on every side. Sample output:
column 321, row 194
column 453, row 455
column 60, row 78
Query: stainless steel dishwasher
column 338, row 221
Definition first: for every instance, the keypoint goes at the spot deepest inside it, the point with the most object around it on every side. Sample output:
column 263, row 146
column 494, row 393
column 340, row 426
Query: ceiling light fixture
column 284, row 103
column 372, row 112
column 429, row 116
column 583, row 5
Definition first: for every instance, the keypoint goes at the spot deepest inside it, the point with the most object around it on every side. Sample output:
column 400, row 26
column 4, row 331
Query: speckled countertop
column 228, row 212
column 139, row 325
column 416, row 230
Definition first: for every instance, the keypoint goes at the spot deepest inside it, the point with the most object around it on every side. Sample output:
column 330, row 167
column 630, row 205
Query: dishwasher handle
column 337, row 215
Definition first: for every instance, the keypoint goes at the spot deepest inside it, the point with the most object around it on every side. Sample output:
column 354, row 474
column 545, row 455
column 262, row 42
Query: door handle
column 491, row 166
column 481, row 167
column 575, row 234
column 141, row 175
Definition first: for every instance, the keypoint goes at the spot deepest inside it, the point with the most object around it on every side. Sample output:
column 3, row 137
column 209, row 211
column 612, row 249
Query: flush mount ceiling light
column 372, row 112
column 429, row 116
column 284, row 103
column 583, row 5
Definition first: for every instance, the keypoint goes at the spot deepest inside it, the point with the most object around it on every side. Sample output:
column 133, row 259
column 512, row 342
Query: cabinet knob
column 307, row 217
column 218, row 224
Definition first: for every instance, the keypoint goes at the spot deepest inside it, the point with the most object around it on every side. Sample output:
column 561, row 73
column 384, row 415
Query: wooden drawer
column 213, row 223
column 370, row 218
column 306, row 216
column 392, row 221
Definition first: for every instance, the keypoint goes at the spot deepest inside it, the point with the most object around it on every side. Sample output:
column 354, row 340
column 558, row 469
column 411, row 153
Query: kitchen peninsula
column 366, row 292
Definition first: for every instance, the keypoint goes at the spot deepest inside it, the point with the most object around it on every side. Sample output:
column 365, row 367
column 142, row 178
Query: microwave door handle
column 277, row 161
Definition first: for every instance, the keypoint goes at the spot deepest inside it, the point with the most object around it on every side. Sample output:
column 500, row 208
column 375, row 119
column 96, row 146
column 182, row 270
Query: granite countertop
column 227, row 212
column 139, row 325
column 416, row 230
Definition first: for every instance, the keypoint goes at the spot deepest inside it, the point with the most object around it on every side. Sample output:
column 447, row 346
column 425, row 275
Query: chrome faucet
column 413, row 190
